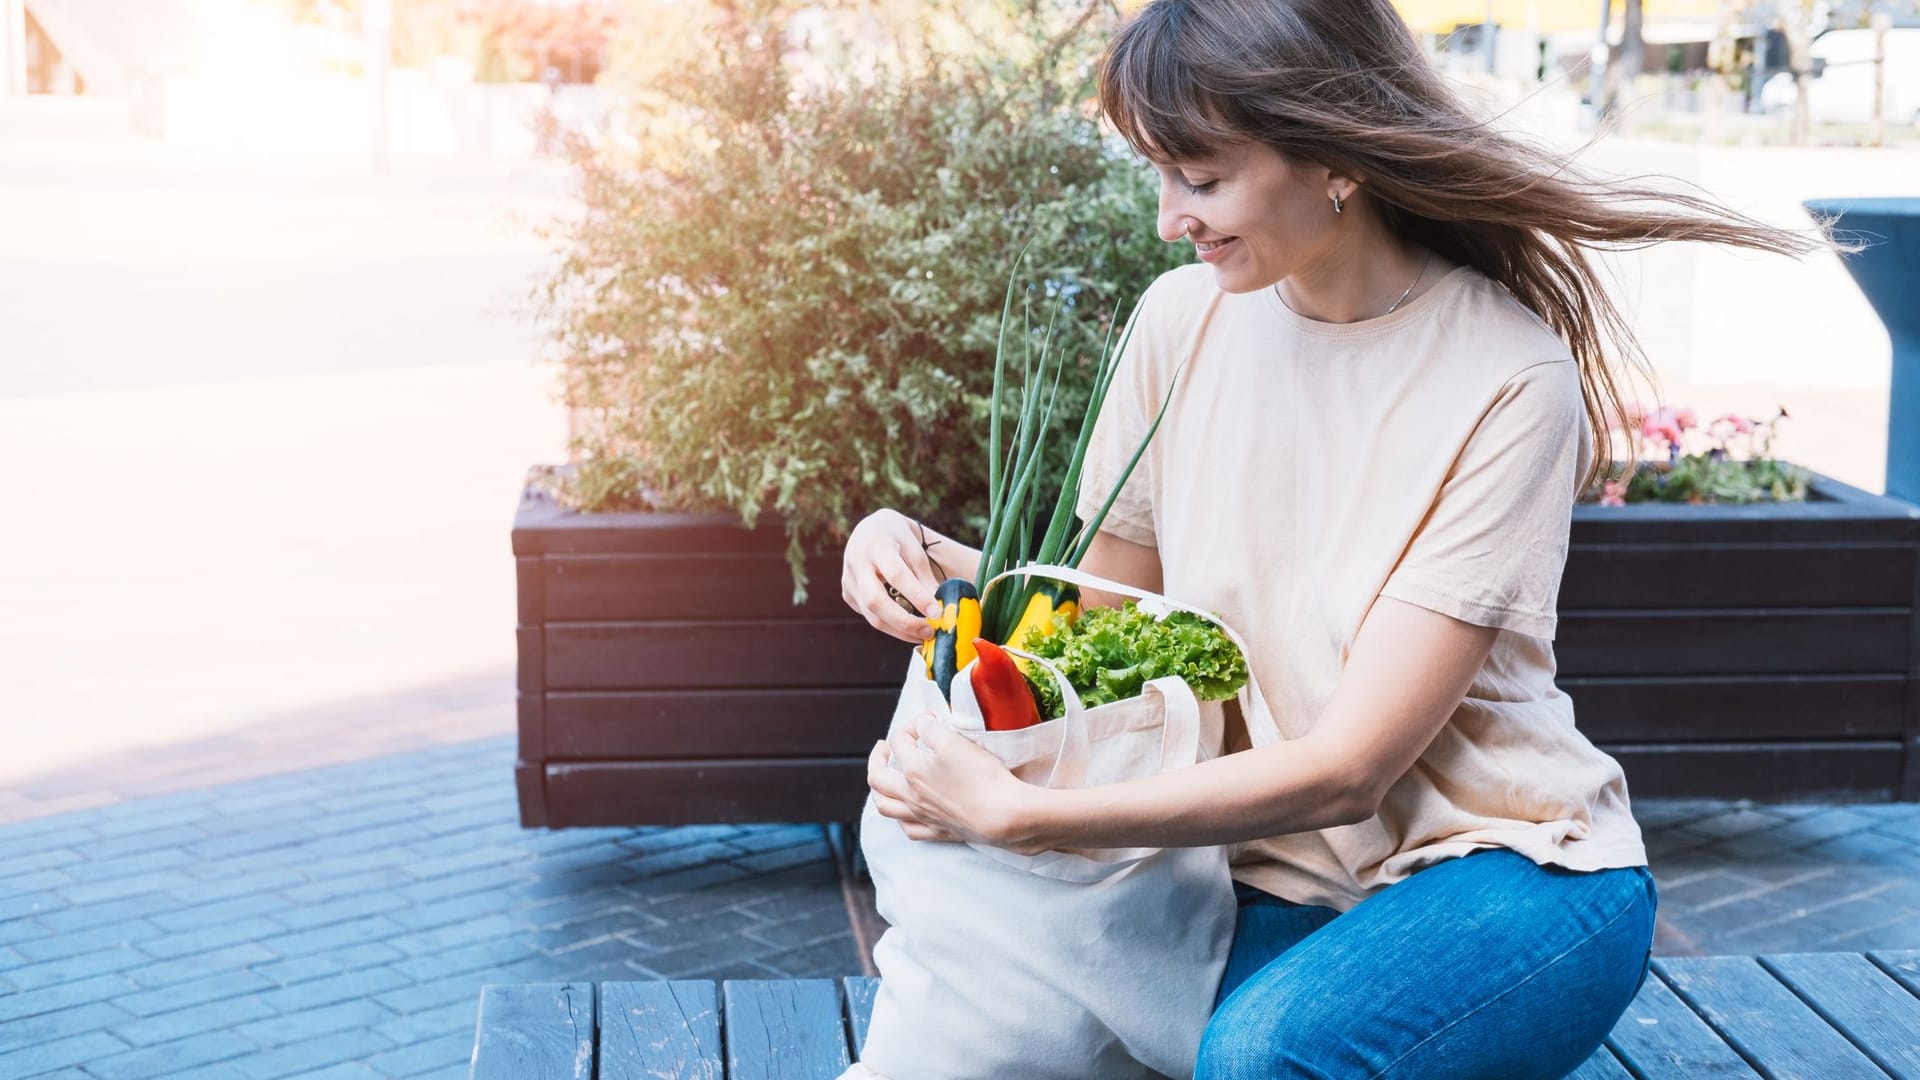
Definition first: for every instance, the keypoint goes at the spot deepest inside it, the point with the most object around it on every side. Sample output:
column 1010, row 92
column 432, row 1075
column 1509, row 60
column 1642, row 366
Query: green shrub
column 785, row 298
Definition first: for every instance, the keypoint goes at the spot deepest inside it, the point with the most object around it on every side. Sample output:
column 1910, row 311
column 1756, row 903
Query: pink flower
column 1614, row 494
column 1686, row 419
column 1661, row 426
column 1741, row 425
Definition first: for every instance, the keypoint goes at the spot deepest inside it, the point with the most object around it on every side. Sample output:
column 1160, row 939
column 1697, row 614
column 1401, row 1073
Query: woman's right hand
column 884, row 549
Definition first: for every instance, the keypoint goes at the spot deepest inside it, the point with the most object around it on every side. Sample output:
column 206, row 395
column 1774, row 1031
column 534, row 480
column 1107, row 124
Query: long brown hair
column 1343, row 84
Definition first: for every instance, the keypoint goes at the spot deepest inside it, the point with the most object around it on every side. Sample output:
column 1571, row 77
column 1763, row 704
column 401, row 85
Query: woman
column 1392, row 391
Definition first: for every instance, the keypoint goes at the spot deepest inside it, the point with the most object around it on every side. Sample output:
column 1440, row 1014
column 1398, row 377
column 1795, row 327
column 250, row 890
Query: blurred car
column 1841, row 89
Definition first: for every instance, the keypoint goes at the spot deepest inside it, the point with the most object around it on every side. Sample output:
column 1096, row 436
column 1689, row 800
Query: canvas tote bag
column 1067, row 965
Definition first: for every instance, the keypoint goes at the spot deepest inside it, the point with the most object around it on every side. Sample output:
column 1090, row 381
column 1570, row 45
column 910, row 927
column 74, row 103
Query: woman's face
column 1252, row 215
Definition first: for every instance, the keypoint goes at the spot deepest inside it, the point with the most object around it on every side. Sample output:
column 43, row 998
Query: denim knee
column 1259, row 1037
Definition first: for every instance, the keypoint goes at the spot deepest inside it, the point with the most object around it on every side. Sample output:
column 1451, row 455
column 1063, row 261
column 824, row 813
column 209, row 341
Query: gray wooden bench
column 1804, row 1016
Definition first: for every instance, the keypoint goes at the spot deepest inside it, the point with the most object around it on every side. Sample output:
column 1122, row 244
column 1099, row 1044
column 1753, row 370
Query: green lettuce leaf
column 1108, row 654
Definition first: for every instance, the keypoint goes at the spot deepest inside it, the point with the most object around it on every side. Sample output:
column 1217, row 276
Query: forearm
column 954, row 557
column 1270, row 791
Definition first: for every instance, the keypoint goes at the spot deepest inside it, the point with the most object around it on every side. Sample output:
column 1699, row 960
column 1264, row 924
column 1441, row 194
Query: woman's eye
column 1200, row 188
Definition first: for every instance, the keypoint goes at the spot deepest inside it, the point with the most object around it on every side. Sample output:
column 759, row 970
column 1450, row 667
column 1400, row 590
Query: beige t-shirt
column 1305, row 468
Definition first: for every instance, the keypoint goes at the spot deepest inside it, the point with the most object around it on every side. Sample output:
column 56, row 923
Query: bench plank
column 536, row 1029
column 860, row 994
column 660, row 1031
column 1875, row 1013
column 784, row 1030
column 1601, row 1066
column 1903, row 965
column 1763, row 1020
column 1659, row 1038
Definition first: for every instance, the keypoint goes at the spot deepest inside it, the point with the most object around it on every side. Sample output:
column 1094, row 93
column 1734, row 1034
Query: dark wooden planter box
column 665, row 676
column 1765, row 651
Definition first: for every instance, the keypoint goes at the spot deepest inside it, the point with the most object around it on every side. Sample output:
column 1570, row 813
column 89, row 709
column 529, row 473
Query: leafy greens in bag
column 1109, row 654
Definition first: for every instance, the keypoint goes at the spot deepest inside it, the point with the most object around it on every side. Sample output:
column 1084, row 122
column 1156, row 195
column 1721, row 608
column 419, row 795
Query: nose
column 1173, row 221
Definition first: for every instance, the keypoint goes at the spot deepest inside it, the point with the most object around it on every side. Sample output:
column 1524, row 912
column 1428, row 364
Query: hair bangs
column 1153, row 91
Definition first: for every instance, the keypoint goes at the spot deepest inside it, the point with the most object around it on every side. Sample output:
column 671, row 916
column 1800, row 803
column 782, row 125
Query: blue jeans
column 1486, row 966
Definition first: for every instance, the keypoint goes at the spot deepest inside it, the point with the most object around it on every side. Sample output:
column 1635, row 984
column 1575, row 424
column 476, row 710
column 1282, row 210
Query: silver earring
column 1336, row 202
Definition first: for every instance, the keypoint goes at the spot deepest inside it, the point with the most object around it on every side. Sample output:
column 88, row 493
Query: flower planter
column 665, row 676
column 1764, row 651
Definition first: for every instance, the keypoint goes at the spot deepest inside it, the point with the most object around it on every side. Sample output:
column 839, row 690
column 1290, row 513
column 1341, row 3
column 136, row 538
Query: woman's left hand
column 952, row 790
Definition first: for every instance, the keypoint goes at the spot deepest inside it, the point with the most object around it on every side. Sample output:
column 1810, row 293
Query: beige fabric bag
column 1065, row 965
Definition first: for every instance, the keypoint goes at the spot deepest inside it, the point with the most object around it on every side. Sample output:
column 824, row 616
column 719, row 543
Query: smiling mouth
column 1213, row 245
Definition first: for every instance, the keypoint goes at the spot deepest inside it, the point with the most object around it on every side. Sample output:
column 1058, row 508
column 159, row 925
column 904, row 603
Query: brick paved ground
column 1740, row 878
column 339, row 921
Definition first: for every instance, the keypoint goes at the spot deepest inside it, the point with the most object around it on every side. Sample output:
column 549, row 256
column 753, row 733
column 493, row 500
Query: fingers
column 873, row 564
column 889, row 569
column 894, row 808
column 881, row 778
column 915, row 582
column 931, row 730
column 906, row 753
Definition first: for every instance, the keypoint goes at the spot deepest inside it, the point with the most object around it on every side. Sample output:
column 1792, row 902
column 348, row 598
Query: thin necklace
column 1396, row 303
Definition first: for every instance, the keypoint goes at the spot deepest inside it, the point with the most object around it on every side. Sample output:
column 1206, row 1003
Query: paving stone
column 309, row 1023
column 451, row 1052
column 186, row 919
column 436, row 965
column 831, row 958
column 339, row 910
column 206, row 938
column 487, row 879
column 1869, row 846
column 93, row 892
column 153, row 906
column 347, row 1070
column 1899, row 933
column 435, row 1023
column 1824, row 823
column 59, row 1053
column 62, row 1024
column 194, row 1020
column 23, row 841
column 101, row 869
column 1904, row 827
column 74, row 968
column 224, row 881
column 44, row 860
column 385, row 879
column 314, row 1053
column 20, row 907
column 192, row 992
column 60, row 946
column 34, row 881
column 805, row 930
column 229, row 958
column 339, row 935
column 1779, row 870
column 182, row 1054
column 301, row 969
column 1734, row 822
column 18, row 930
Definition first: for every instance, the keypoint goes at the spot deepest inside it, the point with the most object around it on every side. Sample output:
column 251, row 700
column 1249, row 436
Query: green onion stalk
column 1014, row 497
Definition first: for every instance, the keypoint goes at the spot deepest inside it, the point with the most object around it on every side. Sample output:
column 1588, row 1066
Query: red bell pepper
column 1006, row 704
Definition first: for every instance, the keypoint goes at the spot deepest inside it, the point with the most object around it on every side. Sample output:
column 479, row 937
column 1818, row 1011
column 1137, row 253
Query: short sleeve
column 1124, row 420
column 1491, row 548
